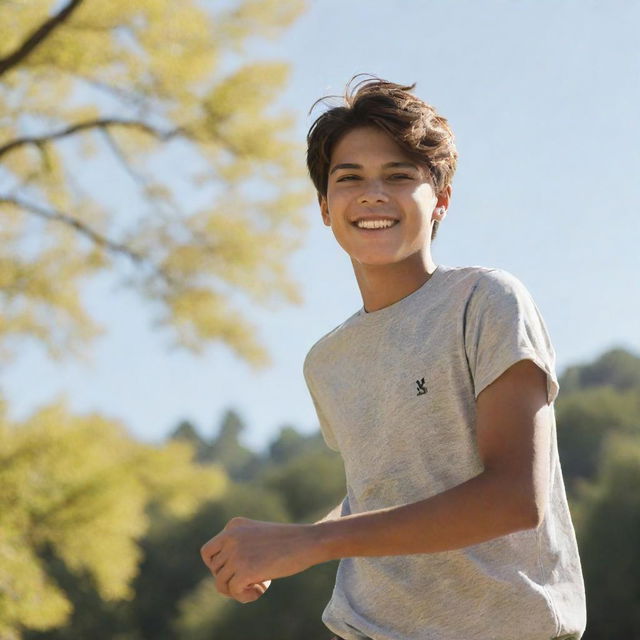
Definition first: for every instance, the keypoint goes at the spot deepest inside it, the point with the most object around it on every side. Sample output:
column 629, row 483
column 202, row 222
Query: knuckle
column 237, row 521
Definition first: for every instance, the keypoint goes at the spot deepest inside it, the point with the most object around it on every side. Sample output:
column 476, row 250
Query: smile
column 375, row 224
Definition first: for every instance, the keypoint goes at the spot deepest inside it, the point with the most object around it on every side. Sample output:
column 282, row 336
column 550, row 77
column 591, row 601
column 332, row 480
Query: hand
column 251, row 593
column 247, row 554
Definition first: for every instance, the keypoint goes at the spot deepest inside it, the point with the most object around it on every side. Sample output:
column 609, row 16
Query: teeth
column 375, row 224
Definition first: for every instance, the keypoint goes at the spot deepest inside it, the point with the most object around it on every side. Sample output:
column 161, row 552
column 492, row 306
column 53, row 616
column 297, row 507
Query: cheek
column 336, row 202
column 425, row 199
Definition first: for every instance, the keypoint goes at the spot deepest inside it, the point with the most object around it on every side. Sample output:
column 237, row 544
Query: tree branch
column 88, row 232
column 90, row 124
column 37, row 37
column 80, row 226
column 139, row 178
column 138, row 100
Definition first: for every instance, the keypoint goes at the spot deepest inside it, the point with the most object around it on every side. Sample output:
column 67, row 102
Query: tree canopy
column 77, row 488
column 125, row 86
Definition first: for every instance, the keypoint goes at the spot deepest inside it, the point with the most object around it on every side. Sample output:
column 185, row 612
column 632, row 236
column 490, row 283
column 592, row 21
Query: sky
column 543, row 97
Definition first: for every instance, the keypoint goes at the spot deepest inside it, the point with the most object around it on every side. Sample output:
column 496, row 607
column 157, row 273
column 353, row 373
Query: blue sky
column 543, row 97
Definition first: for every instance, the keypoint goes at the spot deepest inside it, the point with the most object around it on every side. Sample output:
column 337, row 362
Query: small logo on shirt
column 421, row 388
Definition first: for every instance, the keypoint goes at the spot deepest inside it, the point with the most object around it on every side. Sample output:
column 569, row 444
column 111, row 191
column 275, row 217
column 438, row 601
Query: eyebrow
column 388, row 165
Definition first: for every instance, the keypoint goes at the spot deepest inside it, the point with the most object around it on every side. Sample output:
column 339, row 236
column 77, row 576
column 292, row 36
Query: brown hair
column 413, row 124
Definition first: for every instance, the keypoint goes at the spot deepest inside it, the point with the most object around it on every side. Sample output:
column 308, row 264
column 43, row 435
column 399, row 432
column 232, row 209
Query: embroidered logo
column 421, row 388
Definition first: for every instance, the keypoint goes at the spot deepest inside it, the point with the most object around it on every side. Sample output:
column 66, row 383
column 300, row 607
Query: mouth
column 373, row 226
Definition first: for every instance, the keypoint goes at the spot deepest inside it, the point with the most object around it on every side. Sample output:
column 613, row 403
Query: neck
column 383, row 285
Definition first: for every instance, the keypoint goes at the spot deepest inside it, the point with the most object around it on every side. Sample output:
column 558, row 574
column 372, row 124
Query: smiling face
column 380, row 204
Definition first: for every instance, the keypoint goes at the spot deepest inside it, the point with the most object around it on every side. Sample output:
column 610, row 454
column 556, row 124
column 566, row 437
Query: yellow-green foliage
column 79, row 486
column 199, row 611
column 174, row 77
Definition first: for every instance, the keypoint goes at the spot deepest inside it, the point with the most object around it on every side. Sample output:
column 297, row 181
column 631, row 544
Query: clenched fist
column 247, row 554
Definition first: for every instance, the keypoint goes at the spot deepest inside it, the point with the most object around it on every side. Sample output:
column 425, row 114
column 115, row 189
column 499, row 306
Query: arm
column 510, row 494
column 513, row 431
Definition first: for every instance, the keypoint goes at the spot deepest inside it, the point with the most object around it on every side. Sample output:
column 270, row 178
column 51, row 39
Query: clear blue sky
column 544, row 99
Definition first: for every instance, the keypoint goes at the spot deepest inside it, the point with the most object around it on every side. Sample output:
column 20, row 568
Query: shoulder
column 495, row 283
column 473, row 285
column 494, row 278
column 491, row 292
column 476, row 276
column 323, row 347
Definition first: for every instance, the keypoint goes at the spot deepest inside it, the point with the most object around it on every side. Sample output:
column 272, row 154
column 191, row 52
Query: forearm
column 480, row 509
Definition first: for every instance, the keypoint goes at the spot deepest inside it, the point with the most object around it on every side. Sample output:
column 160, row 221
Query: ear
column 324, row 209
column 443, row 203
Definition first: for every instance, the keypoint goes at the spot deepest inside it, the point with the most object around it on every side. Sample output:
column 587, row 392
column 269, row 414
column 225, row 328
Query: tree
column 288, row 444
column 227, row 450
column 617, row 368
column 175, row 595
column 310, row 483
column 75, row 491
column 187, row 432
column 608, row 537
column 599, row 443
column 129, row 82
column 292, row 607
column 585, row 421
column 172, row 567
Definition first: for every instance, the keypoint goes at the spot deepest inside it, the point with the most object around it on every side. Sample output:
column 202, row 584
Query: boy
column 438, row 393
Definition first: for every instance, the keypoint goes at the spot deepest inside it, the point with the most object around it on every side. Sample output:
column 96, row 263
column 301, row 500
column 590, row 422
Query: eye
column 401, row 176
column 347, row 177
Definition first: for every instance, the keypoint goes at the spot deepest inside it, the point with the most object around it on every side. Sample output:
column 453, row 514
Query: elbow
column 526, row 507
column 533, row 511
column 534, row 517
column 540, row 511
column 524, row 503
column 523, row 515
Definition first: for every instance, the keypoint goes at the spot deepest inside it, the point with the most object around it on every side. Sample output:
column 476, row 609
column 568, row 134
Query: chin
column 375, row 260
column 370, row 256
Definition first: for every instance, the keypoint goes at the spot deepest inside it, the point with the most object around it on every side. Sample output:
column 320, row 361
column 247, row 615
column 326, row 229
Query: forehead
column 367, row 144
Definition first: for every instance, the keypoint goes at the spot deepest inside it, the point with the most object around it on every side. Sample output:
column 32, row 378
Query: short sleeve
column 503, row 326
column 325, row 428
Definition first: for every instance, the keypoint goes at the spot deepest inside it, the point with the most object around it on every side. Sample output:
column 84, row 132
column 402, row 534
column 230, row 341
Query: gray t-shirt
column 395, row 393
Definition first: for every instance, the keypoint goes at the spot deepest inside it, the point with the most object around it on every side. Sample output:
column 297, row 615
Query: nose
column 372, row 193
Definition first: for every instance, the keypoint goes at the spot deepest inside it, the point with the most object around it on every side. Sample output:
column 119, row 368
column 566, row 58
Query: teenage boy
column 438, row 393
